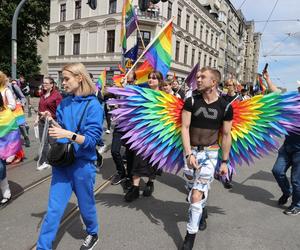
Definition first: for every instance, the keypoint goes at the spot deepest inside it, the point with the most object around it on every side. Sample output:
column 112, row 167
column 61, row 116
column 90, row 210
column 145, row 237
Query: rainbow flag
column 117, row 80
column 101, row 82
column 261, row 84
column 19, row 114
column 10, row 139
column 142, row 72
column 159, row 54
column 129, row 23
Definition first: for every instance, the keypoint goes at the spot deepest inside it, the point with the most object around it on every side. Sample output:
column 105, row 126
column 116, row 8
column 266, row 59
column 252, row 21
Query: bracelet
column 187, row 156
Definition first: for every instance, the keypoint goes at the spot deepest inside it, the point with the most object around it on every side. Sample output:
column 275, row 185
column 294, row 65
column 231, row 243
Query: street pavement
column 246, row 217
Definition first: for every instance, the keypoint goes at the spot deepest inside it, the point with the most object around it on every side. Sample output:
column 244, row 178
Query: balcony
column 152, row 14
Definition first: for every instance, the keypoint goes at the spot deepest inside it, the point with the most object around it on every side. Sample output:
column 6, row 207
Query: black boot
column 188, row 241
column 203, row 223
column 149, row 188
column 132, row 194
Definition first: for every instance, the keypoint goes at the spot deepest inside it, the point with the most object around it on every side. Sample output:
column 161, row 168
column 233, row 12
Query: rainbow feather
column 151, row 121
column 10, row 140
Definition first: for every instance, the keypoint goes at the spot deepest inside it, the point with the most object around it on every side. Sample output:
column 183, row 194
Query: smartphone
column 265, row 68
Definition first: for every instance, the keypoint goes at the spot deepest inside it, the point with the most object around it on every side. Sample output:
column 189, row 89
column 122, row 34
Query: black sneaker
column 188, row 241
column 203, row 223
column 149, row 188
column 99, row 161
column 89, row 242
column 117, row 179
column 27, row 142
column 292, row 211
column 227, row 184
column 283, row 199
column 132, row 194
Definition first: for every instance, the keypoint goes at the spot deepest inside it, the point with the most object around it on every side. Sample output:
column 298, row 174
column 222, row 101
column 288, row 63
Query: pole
column 14, row 43
column 149, row 45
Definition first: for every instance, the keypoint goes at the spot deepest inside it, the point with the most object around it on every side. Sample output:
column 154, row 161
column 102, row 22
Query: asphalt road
column 246, row 217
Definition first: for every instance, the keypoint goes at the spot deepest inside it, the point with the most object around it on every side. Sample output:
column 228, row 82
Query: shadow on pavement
column 169, row 213
column 175, row 181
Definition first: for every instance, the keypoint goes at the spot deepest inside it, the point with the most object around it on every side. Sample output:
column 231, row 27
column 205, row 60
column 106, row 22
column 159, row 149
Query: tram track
column 70, row 215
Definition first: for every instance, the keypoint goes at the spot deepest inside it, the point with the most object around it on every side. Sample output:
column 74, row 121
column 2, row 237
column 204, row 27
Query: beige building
column 80, row 34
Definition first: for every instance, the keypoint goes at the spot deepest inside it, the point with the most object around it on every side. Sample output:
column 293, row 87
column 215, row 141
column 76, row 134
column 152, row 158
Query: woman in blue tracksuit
column 80, row 176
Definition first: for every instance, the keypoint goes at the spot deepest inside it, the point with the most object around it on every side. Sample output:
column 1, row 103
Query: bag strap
column 78, row 126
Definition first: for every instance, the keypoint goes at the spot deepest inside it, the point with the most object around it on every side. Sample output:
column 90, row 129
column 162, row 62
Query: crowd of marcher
column 70, row 135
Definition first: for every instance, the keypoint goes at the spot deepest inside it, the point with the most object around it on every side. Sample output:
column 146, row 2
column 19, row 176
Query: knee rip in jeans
column 200, row 201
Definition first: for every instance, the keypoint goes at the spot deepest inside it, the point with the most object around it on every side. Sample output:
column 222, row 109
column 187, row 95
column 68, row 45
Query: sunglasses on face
column 152, row 77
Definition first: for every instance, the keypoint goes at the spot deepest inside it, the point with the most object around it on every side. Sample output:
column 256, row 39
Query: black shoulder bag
column 62, row 154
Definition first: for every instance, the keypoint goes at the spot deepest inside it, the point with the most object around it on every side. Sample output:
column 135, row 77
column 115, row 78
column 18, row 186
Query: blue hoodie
column 68, row 115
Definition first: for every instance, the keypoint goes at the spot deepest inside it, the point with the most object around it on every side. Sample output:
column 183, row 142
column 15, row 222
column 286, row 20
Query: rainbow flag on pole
column 159, row 54
column 129, row 23
column 101, row 82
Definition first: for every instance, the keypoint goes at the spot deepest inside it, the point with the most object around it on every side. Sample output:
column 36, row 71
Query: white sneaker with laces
column 43, row 166
column 102, row 149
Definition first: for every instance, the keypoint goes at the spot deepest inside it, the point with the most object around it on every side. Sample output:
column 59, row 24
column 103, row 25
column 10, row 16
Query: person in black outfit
column 176, row 88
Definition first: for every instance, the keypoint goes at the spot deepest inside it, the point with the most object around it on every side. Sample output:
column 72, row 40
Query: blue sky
column 279, row 38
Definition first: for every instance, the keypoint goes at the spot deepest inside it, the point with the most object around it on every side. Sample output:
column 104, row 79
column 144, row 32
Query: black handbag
column 63, row 154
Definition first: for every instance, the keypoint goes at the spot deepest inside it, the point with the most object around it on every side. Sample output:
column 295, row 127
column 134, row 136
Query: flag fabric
column 191, row 79
column 121, row 69
column 261, row 84
column 132, row 53
column 117, row 79
column 142, row 72
column 101, row 82
column 129, row 21
column 159, row 54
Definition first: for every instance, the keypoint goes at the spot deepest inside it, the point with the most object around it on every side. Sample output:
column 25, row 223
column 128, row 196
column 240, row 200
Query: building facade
column 80, row 34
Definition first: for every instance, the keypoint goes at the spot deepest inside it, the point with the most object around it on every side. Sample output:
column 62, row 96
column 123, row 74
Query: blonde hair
column 3, row 80
column 87, row 87
column 233, row 81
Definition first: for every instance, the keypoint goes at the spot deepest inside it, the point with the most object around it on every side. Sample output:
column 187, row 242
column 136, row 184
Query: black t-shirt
column 208, row 116
column 229, row 98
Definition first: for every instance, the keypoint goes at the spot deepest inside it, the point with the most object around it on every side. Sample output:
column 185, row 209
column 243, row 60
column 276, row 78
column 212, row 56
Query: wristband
column 187, row 156
column 225, row 161
column 74, row 136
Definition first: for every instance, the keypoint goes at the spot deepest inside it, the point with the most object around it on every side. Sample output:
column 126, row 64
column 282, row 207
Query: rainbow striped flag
column 101, row 82
column 159, row 54
column 10, row 139
column 129, row 23
column 142, row 72
column 19, row 114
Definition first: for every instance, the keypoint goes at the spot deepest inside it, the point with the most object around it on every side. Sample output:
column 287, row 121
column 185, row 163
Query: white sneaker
column 43, row 166
column 102, row 149
column 107, row 131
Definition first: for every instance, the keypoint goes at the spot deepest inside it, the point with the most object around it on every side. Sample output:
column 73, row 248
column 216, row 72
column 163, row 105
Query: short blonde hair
column 233, row 81
column 87, row 87
column 3, row 79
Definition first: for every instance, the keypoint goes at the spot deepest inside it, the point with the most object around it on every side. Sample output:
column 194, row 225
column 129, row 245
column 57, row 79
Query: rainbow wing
column 151, row 121
column 10, row 140
column 258, row 121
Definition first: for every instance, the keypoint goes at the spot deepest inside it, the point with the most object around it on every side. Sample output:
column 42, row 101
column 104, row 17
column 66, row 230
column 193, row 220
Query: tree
column 33, row 25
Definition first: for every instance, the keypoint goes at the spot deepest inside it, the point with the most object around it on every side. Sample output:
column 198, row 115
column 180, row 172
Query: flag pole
column 149, row 45
column 138, row 28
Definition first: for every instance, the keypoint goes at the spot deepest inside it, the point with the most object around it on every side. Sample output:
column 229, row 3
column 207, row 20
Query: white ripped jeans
column 200, row 179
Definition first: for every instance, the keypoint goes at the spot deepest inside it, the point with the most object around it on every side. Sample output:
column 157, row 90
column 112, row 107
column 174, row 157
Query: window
column 112, row 6
column 216, row 42
column 146, row 35
column 204, row 62
column 195, row 27
column 199, row 57
column 177, row 51
column 63, row 12
column 61, row 46
column 77, row 9
column 169, row 10
column 215, row 63
column 206, row 36
column 193, row 57
column 187, row 23
column 110, row 41
column 201, row 32
column 179, row 17
column 185, row 54
column 209, row 63
column 76, row 44
column 211, row 39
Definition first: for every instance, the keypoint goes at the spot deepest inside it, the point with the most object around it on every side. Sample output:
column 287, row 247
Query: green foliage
column 33, row 25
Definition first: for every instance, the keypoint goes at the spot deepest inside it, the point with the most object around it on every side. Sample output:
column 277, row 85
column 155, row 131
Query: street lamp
column 14, row 40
